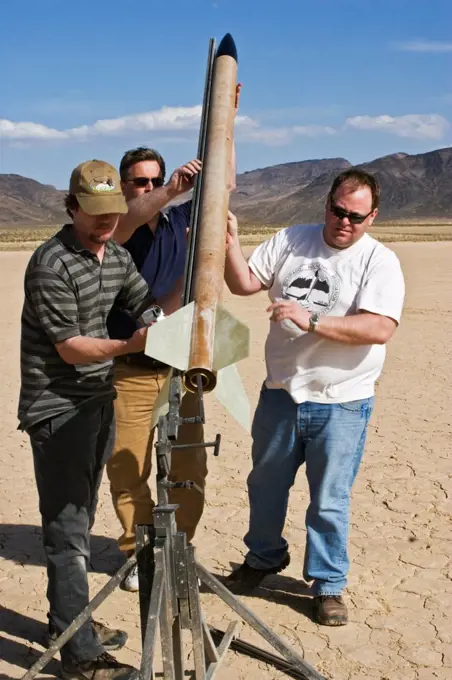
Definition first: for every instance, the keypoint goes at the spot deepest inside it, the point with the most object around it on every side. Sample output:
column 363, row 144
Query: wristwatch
column 313, row 321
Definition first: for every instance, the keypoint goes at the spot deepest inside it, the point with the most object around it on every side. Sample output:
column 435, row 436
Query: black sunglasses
column 354, row 218
column 144, row 181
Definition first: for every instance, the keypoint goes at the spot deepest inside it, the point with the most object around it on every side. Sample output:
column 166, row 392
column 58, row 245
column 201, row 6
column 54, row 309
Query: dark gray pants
column 70, row 451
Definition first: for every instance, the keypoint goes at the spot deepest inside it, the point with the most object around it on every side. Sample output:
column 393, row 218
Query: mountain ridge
column 413, row 186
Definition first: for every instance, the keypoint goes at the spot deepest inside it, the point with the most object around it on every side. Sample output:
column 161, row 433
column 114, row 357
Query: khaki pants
column 129, row 467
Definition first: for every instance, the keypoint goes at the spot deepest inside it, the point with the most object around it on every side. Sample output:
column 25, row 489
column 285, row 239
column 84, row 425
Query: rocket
column 202, row 339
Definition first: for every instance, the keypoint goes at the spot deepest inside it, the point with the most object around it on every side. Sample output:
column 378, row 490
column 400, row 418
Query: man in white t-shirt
column 337, row 296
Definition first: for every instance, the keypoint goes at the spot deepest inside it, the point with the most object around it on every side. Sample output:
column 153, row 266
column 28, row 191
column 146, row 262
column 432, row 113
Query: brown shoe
column 104, row 667
column 110, row 638
column 330, row 610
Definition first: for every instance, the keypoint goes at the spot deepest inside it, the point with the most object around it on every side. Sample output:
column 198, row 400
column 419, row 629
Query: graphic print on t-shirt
column 313, row 286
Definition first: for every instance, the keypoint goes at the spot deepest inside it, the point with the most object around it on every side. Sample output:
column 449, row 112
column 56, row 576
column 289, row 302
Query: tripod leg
column 178, row 650
column 80, row 620
column 255, row 622
column 209, row 645
column 196, row 616
column 145, row 561
column 147, row 661
column 180, row 546
column 166, row 629
column 222, row 648
column 182, row 614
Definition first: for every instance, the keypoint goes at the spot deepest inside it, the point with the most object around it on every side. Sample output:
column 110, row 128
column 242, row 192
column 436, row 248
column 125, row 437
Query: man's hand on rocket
column 183, row 178
column 137, row 342
column 237, row 97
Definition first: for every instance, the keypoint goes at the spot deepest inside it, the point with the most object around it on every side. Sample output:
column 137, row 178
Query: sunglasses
column 341, row 214
column 144, row 181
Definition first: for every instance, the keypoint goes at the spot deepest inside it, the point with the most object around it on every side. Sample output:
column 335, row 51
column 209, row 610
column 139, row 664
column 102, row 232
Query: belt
column 142, row 359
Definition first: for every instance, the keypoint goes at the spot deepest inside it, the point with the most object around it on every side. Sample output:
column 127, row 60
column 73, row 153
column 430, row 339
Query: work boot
column 245, row 579
column 104, row 667
column 330, row 610
column 110, row 638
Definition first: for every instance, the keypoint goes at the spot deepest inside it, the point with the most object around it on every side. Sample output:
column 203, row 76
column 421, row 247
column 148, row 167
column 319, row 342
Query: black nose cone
column 227, row 47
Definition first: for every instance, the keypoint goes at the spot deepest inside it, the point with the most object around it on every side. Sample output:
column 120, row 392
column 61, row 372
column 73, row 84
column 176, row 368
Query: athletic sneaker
column 130, row 581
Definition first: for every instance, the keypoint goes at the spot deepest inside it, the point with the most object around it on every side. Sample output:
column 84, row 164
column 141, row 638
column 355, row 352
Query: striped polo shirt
column 68, row 292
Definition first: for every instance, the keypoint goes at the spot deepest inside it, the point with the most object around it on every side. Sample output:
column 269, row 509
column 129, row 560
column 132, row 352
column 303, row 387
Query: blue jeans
column 330, row 439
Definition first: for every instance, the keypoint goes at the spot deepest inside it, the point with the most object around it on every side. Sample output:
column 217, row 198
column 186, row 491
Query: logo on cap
column 102, row 184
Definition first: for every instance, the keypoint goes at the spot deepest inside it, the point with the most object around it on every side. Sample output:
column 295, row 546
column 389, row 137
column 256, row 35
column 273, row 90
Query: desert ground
column 400, row 587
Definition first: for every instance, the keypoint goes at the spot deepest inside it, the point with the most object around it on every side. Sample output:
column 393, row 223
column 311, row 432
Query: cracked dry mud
column 400, row 588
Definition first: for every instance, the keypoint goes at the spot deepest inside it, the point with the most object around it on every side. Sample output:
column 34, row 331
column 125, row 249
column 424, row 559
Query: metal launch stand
column 169, row 578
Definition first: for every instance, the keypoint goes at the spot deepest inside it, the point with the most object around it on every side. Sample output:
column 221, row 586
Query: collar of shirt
column 68, row 237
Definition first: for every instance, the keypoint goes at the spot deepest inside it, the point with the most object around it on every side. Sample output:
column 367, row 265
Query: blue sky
column 321, row 78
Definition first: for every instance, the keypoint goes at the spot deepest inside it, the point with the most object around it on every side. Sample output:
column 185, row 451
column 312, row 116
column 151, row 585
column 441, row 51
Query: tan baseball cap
column 97, row 186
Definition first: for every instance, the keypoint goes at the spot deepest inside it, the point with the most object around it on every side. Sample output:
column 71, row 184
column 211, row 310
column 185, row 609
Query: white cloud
column 284, row 135
column 313, row 130
column 182, row 123
column 26, row 130
column 414, row 126
column 167, row 119
column 431, row 46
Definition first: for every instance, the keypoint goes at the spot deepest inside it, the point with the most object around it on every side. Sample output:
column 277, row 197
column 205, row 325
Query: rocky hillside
column 413, row 187
column 24, row 201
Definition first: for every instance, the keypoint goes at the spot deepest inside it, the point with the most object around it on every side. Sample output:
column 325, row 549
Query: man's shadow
column 16, row 653
column 22, row 544
column 278, row 589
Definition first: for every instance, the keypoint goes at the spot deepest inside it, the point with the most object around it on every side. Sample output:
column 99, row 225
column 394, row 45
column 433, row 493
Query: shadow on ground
column 16, row 653
column 22, row 544
column 277, row 588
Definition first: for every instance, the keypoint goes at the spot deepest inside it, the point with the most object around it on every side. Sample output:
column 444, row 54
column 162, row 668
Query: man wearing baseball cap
column 66, row 396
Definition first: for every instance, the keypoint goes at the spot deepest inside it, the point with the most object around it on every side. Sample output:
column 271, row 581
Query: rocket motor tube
column 214, row 201
column 208, row 380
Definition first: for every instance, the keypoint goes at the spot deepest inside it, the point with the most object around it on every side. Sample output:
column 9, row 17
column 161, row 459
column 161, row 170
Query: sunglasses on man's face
column 144, row 181
column 341, row 214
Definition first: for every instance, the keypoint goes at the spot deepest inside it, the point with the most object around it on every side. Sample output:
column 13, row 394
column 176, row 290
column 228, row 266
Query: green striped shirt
column 68, row 292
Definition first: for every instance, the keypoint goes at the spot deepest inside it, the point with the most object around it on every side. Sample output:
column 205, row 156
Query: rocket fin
column 169, row 340
column 231, row 394
column 231, row 339
column 161, row 405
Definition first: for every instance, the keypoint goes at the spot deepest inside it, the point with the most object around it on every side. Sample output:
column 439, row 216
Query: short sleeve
column 179, row 216
column 54, row 303
column 264, row 260
column 135, row 293
column 383, row 289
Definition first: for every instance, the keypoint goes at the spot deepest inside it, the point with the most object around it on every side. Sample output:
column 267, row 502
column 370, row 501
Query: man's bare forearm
column 141, row 210
column 238, row 276
column 81, row 349
column 357, row 329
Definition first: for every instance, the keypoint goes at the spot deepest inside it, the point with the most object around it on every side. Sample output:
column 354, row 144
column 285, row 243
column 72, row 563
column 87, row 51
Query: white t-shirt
column 297, row 264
